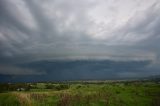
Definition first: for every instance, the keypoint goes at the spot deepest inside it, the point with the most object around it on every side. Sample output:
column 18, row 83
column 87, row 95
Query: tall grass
column 117, row 94
column 7, row 99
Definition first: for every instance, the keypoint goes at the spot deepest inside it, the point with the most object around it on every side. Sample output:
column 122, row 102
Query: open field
column 118, row 93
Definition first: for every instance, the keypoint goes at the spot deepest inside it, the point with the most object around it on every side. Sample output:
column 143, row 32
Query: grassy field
column 123, row 93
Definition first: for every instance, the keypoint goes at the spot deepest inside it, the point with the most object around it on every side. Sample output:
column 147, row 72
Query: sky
column 79, row 39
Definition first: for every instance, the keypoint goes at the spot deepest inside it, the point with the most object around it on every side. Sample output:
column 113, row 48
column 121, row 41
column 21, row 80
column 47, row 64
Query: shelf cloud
column 86, row 30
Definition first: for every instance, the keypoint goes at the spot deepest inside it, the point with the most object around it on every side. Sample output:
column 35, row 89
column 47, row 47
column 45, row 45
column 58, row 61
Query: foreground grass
column 8, row 99
column 110, row 94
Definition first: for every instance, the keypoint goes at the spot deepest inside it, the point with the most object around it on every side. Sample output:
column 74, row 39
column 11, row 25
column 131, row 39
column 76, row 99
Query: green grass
column 7, row 99
column 80, row 94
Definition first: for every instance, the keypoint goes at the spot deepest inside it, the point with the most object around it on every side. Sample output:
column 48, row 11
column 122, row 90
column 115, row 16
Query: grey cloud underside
column 33, row 31
column 83, row 70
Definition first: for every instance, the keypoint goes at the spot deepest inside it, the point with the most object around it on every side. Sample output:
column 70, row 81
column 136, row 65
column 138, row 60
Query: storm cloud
column 123, row 32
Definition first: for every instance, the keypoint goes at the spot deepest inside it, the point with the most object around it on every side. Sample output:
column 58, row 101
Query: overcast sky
column 67, row 30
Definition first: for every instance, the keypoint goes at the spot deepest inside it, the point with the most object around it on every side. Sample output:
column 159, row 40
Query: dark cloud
column 13, row 70
column 84, row 69
column 127, row 32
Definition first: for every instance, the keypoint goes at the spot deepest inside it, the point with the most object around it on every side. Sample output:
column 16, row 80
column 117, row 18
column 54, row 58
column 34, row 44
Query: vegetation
column 94, row 93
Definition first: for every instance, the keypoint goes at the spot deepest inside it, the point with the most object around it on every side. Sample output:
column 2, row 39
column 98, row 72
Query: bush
column 13, row 87
column 57, row 86
column 62, row 86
